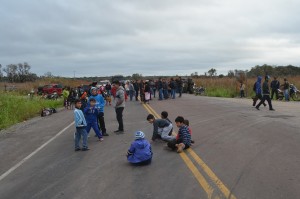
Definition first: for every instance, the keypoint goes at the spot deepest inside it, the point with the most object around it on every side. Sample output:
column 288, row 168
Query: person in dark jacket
column 286, row 90
column 266, row 94
column 136, row 89
column 140, row 152
column 179, row 86
column 258, row 92
column 161, row 128
column 183, row 141
column 173, row 88
column 275, row 85
column 160, row 89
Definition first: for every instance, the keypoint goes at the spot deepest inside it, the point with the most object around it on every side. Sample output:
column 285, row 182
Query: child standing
column 91, row 115
column 183, row 141
column 140, row 152
column 80, row 124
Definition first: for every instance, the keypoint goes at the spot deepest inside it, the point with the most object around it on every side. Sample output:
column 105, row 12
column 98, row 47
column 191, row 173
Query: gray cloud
column 149, row 37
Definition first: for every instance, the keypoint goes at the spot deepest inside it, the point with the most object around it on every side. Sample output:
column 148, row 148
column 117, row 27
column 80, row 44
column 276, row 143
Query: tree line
column 17, row 73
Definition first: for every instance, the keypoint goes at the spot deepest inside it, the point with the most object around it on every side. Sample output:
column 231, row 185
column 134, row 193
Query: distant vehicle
column 103, row 83
column 53, row 88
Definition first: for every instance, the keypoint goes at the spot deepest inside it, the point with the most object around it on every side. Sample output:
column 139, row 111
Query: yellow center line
column 200, row 178
column 212, row 175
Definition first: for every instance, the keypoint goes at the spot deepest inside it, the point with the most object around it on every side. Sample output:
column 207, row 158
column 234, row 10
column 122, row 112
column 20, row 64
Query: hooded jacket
column 139, row 151
column 258, row 85
column 91, row 114
column 120, row 96
column 100, row 102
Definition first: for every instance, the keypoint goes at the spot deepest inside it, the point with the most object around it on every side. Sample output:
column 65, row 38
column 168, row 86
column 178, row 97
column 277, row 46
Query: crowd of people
column 89, row 114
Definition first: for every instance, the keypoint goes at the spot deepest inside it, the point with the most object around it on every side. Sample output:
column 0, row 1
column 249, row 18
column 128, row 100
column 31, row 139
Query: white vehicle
column 103, row 83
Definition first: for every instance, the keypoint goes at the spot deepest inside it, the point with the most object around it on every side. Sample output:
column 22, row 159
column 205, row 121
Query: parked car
column 53, row 88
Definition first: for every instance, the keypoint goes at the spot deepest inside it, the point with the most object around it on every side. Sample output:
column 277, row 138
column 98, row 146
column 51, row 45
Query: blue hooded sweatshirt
column 258, row 85
column 100, row 102
column 139, row 151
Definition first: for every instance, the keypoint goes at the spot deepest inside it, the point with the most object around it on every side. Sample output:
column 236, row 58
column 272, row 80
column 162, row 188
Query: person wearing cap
column 140, row 152
column 266, row 94
column 100, row 103
column 119, row 105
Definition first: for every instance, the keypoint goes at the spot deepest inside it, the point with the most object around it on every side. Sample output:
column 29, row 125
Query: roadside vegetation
column 15, row 108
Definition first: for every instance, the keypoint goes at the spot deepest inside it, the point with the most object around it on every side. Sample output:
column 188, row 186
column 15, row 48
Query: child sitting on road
column 161, row 128
column 140, row 152
column 183, row 140
column 91, row 115
column 80, row 124
column 187, row 123
column 164, row 115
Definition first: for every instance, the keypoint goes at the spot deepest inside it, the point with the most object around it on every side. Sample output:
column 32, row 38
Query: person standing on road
column 242, row 89
column 173, row 88
column 136, row 89
column 80, row 124
column 160, row 89
column 179, row 86
column 119, row 106
column 258, row 92
column 131, row 90
column 140, row 152
column 91, row 114
column 266, row 94
column 100, row 103
column 286, row 90
column 275, row 85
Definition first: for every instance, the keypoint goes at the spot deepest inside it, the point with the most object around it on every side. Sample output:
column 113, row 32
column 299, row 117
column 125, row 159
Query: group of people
column 91, row 115
column 147, row 90
column 140, row 151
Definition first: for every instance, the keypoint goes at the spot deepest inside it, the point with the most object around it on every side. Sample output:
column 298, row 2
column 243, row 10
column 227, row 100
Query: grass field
column 229, row 87
column 15, row 108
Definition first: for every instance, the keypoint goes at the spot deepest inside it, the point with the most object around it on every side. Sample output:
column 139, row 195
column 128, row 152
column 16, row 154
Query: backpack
column 254, row 87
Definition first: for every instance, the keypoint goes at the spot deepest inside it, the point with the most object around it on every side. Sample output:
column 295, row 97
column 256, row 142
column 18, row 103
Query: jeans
column 160, row 93
column 286, row 95
column 101, row 122
column 131, row 92
column 154, row 92
column 258, row 96
column 166, row 94
column 119, row 113
column 173, row 93
column 242, row 93
column 81, row 132
column 93, row 125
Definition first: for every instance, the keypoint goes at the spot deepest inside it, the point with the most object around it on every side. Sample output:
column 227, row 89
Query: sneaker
column 257, row 108
column 101, row 139
column 77, row 149
column 85, row 149
column 105, row 134
column 119, row 131
column 192, row 141
column 272, row 109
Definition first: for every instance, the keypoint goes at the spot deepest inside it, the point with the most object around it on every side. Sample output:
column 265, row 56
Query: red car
column 53, row 88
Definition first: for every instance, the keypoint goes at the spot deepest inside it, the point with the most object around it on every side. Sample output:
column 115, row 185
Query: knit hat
column 93, row 88
column 139, row 135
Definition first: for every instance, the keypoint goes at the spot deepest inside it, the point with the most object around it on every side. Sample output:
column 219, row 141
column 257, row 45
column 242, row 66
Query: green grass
column 15, row 108
column 220, row 92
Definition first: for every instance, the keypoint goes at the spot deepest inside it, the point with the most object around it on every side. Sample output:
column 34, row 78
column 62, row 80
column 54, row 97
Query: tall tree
column 212, row 72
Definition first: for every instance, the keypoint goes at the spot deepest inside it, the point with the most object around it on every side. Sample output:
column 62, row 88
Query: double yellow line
column 214, row 182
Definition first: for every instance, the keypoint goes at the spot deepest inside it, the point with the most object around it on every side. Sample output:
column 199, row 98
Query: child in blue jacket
column 91, row 116
column 140, row 152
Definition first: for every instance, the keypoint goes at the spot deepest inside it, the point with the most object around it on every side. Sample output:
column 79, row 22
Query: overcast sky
column 157, row 37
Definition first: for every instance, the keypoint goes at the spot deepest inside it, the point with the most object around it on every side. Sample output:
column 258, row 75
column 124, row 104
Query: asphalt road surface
column 239, row 152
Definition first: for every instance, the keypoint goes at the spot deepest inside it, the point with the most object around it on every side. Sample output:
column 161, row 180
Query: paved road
column 239, row 153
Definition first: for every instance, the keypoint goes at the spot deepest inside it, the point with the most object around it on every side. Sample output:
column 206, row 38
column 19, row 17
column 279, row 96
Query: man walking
column 266, row 94
column 119, row 106
column 275, row 84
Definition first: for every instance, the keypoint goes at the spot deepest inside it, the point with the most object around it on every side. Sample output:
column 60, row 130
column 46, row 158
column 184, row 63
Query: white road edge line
column 33, row 153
